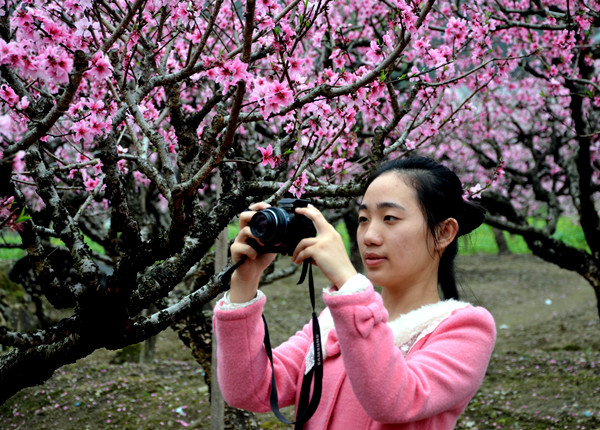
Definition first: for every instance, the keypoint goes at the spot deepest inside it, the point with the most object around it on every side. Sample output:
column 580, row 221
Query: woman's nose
column 372, row 235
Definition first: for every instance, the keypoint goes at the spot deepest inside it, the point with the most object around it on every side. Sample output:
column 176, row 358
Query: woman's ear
column 446, row 232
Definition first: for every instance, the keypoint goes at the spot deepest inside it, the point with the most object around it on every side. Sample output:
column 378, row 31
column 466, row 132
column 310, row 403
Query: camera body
column 279, row 228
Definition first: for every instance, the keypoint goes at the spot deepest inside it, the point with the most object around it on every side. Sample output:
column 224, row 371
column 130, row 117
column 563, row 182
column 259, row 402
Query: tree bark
column 501, row 241
column 217, row 404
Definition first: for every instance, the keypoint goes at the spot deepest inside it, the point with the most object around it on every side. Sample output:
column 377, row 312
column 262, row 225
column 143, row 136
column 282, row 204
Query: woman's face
column 396, row 246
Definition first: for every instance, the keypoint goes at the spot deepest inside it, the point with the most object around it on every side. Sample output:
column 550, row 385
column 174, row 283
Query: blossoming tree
column 116, row 118
column 538, row 126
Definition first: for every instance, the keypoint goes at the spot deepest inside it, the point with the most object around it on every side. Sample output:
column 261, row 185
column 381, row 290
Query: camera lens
column 269, row 225
column 264, row 225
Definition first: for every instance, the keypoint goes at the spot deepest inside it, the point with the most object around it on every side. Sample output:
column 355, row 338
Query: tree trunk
column 501, row 241
column 222, row 415
column 593, row 278
column 196, row 333
column 217, row 404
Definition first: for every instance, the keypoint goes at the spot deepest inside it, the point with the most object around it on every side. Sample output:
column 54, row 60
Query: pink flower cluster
column 271, row 97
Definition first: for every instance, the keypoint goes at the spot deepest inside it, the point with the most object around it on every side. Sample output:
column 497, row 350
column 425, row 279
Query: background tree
column 115, row 116
column 541, row 125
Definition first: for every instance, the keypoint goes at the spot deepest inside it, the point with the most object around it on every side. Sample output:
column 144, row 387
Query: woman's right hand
column 245, row 279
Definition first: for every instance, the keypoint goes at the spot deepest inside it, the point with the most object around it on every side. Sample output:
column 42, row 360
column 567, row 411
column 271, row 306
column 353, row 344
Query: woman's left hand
column 327, row 250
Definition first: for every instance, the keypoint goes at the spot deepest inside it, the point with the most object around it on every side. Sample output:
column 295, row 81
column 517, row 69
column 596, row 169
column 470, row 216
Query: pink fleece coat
column 369, row 382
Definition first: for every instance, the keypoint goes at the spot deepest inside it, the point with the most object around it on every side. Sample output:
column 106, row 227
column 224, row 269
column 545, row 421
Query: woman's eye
column 362, row 219
column 389, row 218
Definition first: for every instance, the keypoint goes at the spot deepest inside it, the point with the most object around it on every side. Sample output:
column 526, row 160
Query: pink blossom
column 338, row 165
column 84, row 25
column 338, row 58
column 19, row 162
column 266, row 23
column 429, row 129
column 268, row 156
column 77, row 5
column 56, row 64
column 23, row 104
column 457, row 28
column 409, row 18
column 5, row 128
column 195, row 36
column 8, row 95
column 231, row 73
column 9, row 218
column 281, row 94
column 14, row 54
column 54, row 31
column 298, row 188
column 564, row 40
column 181, row 12
column 297, row 67
column 95, row 105
column 101, row 68
column 23, row 17
column 5, row 204
column 475, row 191
column 91, row 183
column 5, row 50
column 374, row 54
column 141, row 179
column 421, row 46
column 584, row 22
column 122, row 165
column 98, row 167
column 83, row 131
column 271, row 97
column 388, row 41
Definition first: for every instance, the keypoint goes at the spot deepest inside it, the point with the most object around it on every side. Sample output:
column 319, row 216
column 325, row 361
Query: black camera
column 279, row 228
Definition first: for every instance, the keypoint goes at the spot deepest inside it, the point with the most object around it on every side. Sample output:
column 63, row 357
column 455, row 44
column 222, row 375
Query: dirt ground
column 544, row 374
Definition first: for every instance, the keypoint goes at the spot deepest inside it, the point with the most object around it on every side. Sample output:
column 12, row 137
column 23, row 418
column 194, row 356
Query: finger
column 302, row 250
column 239, row 249
column 259, row 206
column 247, row 215
column 315, row 216
column 243, row 236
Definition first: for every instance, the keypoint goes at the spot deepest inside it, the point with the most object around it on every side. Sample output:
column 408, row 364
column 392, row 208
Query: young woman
column 405, row 359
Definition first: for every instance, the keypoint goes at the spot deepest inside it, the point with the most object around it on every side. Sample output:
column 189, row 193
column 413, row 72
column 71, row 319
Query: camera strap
column 314, row 377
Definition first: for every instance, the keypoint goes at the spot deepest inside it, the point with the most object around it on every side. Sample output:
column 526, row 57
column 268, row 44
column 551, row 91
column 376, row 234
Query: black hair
column 440, row 195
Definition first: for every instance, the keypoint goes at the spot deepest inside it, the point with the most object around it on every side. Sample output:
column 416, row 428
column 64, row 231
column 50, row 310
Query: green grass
column 571, row 233
column 16, row 253
column 482, row 241
column 10, row 253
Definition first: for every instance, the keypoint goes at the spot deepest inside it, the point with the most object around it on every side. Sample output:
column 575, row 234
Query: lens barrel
column 269, row 225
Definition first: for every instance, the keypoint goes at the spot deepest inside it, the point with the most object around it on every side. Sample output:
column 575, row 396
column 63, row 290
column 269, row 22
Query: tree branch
column 43, row 125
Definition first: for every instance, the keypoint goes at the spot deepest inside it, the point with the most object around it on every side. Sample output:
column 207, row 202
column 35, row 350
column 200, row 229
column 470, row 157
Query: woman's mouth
column 372, row 259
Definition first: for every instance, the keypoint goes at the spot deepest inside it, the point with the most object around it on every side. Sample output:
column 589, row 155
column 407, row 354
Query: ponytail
column 446, row 272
